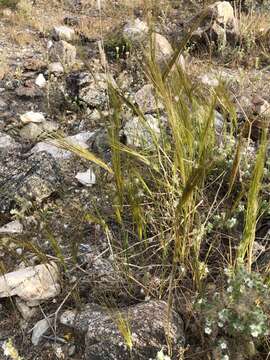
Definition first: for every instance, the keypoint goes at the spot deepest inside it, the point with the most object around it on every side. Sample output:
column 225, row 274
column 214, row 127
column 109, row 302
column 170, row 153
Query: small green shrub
column 239, row 313
column 116, row 46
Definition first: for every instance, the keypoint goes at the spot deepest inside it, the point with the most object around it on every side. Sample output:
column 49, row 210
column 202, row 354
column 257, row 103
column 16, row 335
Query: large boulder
column 148, row 327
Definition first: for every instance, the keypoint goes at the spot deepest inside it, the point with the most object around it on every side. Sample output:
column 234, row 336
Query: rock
column 32, row 117
column 7, row 12
column 39, row 329
column 13, row 227
column 162, row 48
column 7, row 143
column 40, row 81
column 49, row 126
column 31, row 91
column 34, row 64
column 33, row 284
column 50, row 147
column 24, row 182
column 104, row 276
column 150, row 325
column 219, row 122
column 223, row 13
column 140, row 134
column 32, row 131
column 63, row 52
column 89, row 88
column 56, row 68
column 63, row 33
column 87, row 178
column 135, row 31
column 3, row 105
column 146, row 99
column 95, row 115
column 261, row 107
column 79, row 321
column 71, row 350
column 220, row 24
column 26, row 311
column 210, row 80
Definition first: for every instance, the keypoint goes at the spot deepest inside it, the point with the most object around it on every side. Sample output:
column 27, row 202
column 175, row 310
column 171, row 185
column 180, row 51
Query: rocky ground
column 62, row 294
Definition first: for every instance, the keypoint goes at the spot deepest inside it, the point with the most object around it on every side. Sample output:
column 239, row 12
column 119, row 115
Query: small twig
column 55, row 338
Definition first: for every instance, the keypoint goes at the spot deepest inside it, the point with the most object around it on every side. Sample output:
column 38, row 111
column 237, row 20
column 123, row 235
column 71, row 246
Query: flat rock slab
column 27, row 181
column 150, row 324
column 33, row 284
column 13, row 227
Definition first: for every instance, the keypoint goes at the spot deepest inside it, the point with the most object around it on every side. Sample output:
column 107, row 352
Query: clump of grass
column 246, row 245
column 163, row 194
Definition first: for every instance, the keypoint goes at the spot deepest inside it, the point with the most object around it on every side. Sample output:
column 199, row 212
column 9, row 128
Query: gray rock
column 104, row 276
column 141, row 134
column 261, row 107
column 32, row 117
column 29, row 92
column 39, row 329
column 86, row 178
column 33, row 284
column 51, row 147
column 151, row 327
column 27, row 181
column 223, row 13
column 56, row 68
column 135, row 31
column 63, row 52
column 34, row 64
column 162, row 49
column 63, row 33
column 26, row 311
column 3, row 105
column 219, row 122
column 210, row 80
column 7, row 143
column 40, row 81
column 32, row 131
column 49, row 126
column 89, row 88
column 146, row 99
column 71, row 350
column 13, row 227
column 219, row 25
